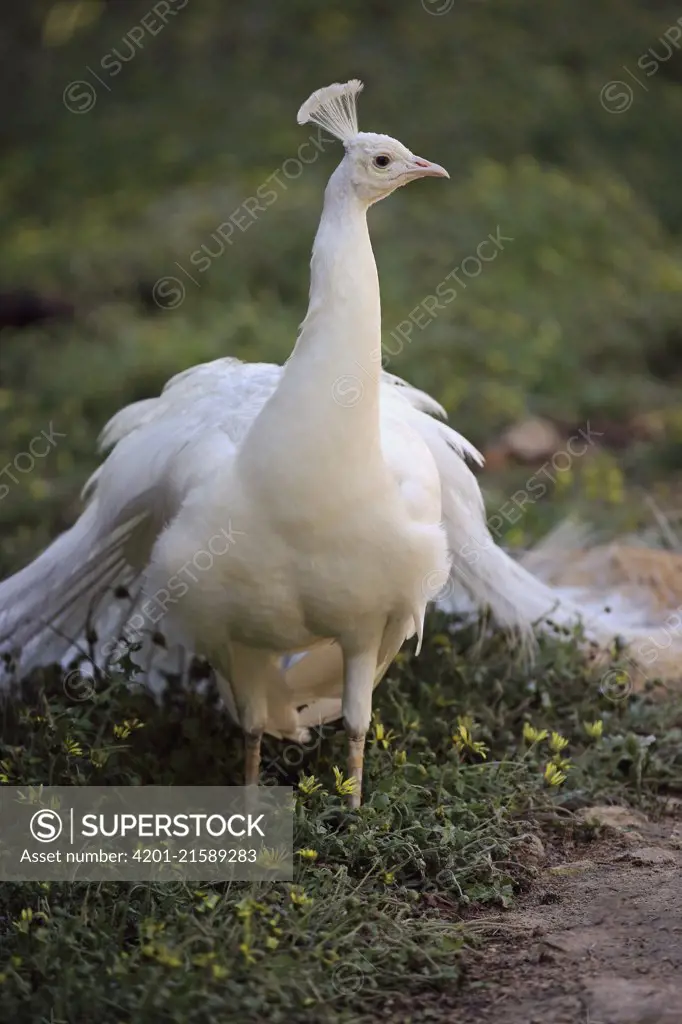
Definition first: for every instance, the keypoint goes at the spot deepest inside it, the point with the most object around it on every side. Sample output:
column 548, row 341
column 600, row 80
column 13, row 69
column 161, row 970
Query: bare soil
column 598, row 940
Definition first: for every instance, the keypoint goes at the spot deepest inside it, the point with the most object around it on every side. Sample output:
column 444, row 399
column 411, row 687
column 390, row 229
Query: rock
column 532, row 440
column 648, row 856
column 530, row 849
column 572, row 867
column 623, row 819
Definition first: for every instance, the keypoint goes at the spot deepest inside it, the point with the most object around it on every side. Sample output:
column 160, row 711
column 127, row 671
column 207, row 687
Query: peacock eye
column 382, row 161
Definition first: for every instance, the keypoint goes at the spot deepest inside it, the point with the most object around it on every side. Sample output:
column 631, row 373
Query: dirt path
column 597, row 941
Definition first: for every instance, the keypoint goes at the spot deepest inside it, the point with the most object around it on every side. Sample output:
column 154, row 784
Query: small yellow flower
column 594, row 730
column 246, row 908
column 298, row 897
column 123, row 731
column 26, row 918
column 203, row 959
column 400, row 758
column 272, row 858
column 99, row 758
column 344, row 787
column 389, row 877
column 219, row 972
column 619, row 685
column 245, row 950
column 150, row 928
column 271, row 942
column 207, row 900
column 308, row 854
column 308, row 785
column 162, row 954
column 553, row 775
column 463, row 740
column 557, row 742
column 533, row 735
column 383, row 736
column 72, row 747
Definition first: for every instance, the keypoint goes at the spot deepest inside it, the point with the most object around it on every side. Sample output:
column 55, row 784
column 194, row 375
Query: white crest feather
column 334, row 109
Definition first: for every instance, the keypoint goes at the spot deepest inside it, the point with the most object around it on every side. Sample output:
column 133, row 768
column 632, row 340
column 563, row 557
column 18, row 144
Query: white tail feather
column 45, row 607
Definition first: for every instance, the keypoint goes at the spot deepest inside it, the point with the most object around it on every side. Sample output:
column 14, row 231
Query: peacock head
column 375, row 165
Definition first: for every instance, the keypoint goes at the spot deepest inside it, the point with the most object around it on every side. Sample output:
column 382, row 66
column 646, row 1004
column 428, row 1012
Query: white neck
column 327, row 402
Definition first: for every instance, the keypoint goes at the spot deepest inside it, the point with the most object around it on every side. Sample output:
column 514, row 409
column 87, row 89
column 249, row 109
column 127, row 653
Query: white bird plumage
column 344, row 517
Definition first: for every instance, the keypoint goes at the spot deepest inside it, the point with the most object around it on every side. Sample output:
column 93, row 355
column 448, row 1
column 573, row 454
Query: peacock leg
column 250, row 672
column 356, row 758
column 252, row 758
column 359, row 672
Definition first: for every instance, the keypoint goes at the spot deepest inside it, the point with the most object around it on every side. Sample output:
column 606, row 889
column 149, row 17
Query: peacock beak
column 425, row 169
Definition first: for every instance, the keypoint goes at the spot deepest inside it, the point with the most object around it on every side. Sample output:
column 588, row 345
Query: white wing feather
column 163, row 449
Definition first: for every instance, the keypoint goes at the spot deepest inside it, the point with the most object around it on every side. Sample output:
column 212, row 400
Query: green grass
column 380, row 912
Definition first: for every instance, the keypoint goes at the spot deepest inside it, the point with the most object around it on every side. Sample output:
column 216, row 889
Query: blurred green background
column 133, row 130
